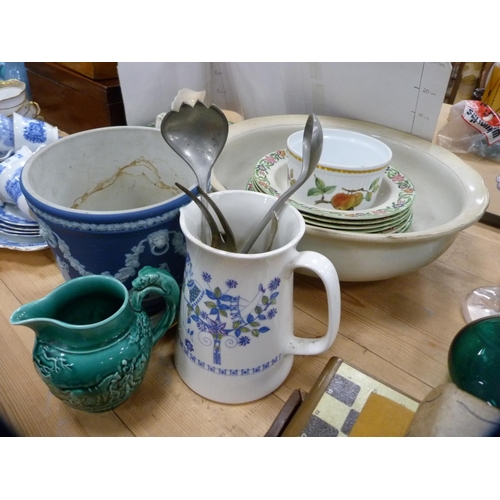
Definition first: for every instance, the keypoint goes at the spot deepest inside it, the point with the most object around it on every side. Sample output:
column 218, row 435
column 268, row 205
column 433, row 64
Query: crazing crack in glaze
column 122, row 171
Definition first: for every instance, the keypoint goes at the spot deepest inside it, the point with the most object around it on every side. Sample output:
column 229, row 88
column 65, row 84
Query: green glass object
column 474, row 359
column 94, row 340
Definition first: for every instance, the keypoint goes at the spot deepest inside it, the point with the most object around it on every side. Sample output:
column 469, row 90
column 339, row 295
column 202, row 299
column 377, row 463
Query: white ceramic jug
column 235, row 338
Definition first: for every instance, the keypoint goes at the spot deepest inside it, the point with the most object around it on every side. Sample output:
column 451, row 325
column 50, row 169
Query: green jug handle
column 150, row 279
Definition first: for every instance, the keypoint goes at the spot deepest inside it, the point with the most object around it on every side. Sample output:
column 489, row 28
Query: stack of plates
column 17, row 232
column 390, row 213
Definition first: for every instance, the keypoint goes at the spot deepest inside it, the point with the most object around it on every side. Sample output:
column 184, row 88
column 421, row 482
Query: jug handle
column 325, row 270
column 151, row 279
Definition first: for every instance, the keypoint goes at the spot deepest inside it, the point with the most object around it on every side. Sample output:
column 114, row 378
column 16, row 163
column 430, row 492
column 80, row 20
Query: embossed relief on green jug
column 93, row 340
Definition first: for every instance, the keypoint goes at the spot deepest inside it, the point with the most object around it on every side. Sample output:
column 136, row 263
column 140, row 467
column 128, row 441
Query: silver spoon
column 219, row 239
column 272, row 233
column 312, row 145
column 198, row 135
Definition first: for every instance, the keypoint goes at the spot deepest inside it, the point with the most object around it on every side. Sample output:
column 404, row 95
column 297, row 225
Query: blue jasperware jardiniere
column 107, row 204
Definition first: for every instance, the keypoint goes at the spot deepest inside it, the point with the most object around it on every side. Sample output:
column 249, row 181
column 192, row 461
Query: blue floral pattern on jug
column 35, row 132
column 221, row 316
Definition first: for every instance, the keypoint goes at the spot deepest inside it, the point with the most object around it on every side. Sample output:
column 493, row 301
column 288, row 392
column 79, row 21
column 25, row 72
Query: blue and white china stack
column 20, row 138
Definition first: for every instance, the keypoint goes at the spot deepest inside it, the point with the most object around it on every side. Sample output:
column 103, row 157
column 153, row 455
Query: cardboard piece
column 382, row 417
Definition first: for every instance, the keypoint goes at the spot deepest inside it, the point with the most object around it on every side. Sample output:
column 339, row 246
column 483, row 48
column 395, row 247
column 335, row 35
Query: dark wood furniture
column 72, row 101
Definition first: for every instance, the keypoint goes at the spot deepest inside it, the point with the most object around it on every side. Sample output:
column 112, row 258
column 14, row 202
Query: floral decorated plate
column 379, row 226
column 398, row 223
column 352, row 224
column 396, row 192
column 390, row 227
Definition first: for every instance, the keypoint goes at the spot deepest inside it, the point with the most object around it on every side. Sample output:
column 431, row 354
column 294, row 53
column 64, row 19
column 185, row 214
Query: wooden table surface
column 397, row 330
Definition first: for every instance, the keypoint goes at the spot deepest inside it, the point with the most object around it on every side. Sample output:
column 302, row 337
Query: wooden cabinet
column 73, row 101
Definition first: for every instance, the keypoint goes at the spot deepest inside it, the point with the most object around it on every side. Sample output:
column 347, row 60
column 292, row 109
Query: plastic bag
column 472, row 127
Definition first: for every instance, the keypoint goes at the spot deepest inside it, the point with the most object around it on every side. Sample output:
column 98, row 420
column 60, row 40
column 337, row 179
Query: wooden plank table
column 397, row 330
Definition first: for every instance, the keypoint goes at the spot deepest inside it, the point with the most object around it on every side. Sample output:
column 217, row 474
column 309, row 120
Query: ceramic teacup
column 10, row 182
column 29, row 109
column 6, row 135
column 349, row 173
column 12, row 96
column 235, row 337
column 33, row 133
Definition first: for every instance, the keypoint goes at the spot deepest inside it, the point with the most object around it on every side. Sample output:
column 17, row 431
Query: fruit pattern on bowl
column 395, row 194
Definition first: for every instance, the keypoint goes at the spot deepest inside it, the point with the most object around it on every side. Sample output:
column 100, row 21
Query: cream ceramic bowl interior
column 449, row 196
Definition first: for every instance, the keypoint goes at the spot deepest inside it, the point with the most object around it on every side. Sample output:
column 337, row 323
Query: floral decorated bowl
column 349, row 173
column 106, row 202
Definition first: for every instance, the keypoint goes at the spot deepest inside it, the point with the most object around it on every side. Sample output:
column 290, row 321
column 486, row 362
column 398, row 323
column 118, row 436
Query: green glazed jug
column 93, row 339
